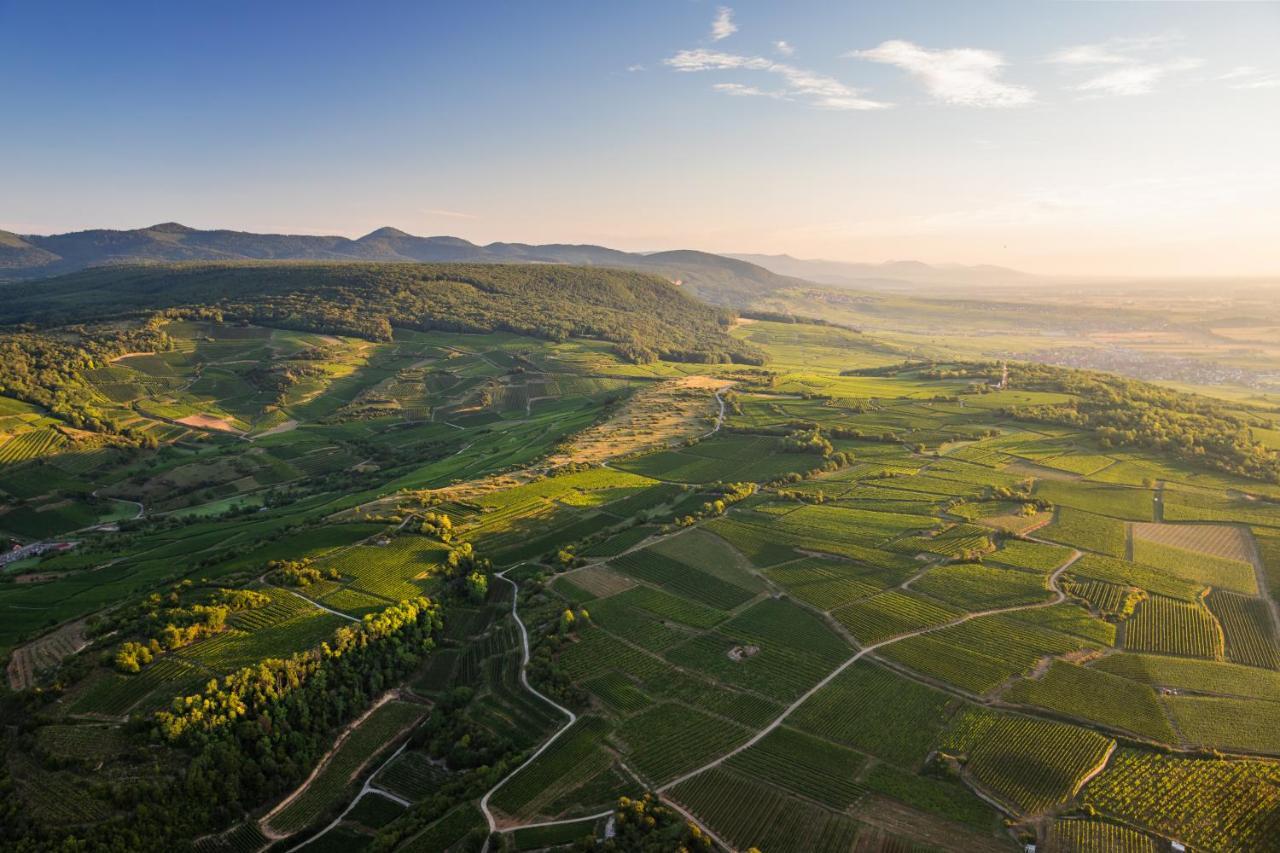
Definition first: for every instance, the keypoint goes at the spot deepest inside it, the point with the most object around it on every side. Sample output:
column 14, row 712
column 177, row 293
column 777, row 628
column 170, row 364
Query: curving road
column 1058, row 598
column 524, row 682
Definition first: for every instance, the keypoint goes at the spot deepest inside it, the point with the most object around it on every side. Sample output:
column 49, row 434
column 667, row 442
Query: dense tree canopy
column 643, row 314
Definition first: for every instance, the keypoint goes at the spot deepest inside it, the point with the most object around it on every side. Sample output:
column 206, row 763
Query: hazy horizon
column 1125, row 140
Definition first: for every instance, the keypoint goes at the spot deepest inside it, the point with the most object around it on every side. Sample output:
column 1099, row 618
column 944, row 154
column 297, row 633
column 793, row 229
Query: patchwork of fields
column 866, row 611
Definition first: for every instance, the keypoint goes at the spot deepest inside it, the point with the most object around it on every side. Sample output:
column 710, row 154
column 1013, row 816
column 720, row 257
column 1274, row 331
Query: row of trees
column 392, row 640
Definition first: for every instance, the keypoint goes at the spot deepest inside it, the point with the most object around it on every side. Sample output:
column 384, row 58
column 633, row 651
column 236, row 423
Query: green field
column 678, row 596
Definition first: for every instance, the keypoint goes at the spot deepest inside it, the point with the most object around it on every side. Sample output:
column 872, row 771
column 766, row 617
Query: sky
column 1073, row 138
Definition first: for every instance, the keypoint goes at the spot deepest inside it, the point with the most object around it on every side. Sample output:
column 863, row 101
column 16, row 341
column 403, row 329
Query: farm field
column 804, row 648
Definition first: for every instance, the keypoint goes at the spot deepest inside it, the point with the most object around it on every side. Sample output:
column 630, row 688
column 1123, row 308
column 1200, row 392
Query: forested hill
column 717, row 279
column 646, row 316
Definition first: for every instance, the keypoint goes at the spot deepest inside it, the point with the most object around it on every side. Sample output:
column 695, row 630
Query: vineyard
column 681, row 579
column 1113, row 600
column 1209, row 803
column 1198, row 676
column 1087, row 531
column 1248, row 629
column 977, row 587
column 1095, row 836
column 572, row 757
column 669, row 739
column 1193, row 567
column 1096, row 697
column 827, row 584
column 875, row 711
column 981, row 653
column 31, row 444
column 805, row 766
column 750, row 814
column 1029, row 763
column 1162, row 624
column 1238, row 725
column 891, row 614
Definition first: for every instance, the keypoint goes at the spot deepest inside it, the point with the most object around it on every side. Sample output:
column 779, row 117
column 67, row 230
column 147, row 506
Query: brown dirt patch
column 278, row 428
column 600, row 581
column 203, row 421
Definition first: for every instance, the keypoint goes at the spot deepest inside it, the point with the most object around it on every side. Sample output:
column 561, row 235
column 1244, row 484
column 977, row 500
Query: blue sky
column 1079, row 137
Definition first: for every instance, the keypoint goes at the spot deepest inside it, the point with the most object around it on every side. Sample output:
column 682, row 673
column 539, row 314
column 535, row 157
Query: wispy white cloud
column 812, row 88
column 784, row 47
column 743, row 91
column 1238, row 72
column 1272, row 82
column 1249, row 77
column 1121, row 66
column 1137, row 78
column 723, row 26
column 964, row 76
column 1116, row 51
column 635, row 68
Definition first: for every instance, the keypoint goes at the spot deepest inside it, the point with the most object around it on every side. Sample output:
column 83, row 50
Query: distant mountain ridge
column 889, row 274
column 716, row 279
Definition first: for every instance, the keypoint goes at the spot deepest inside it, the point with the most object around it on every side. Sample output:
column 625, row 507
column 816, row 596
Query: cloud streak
column 1118, row 66
column 1248, row 77
column 740, row 90
column 963, row 76
column 723, row 26
column 810, row 87
column 1135, row 78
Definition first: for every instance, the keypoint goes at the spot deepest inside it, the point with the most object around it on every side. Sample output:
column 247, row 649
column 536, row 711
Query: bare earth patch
column 601, row 581
column 278, row 428
column 208, row 422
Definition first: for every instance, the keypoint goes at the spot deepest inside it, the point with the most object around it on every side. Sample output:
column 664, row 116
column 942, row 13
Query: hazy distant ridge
column 714, row 278
column 851, row 274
